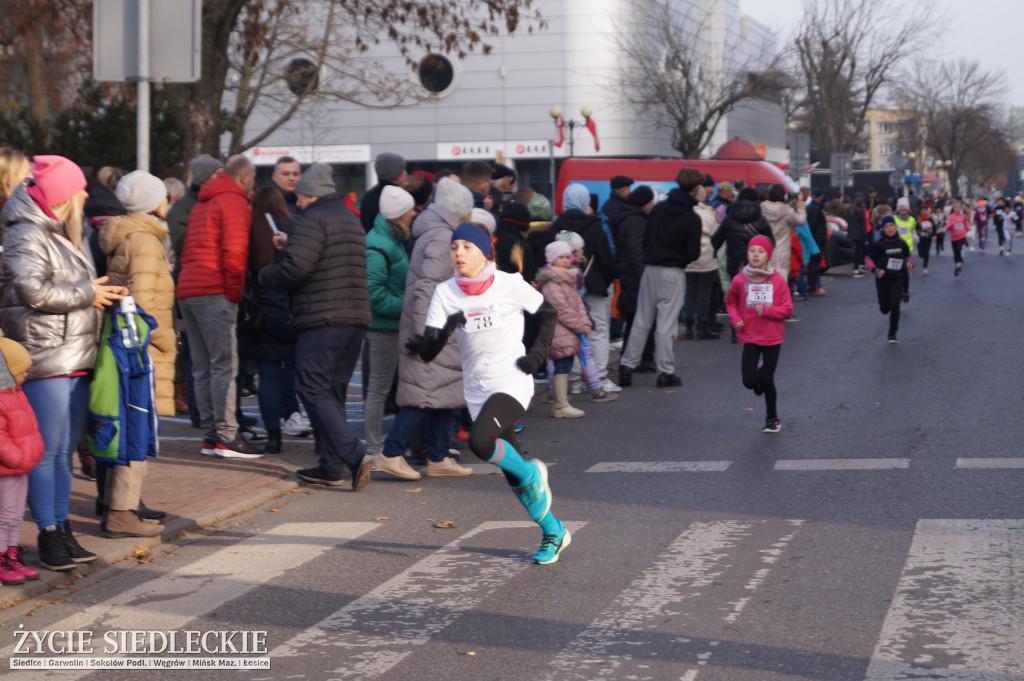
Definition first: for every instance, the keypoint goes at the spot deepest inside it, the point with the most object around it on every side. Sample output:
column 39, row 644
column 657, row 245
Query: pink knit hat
column 57, row 179
column 763, row 242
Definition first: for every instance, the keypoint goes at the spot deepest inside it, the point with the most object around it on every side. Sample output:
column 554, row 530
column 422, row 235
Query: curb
column 17, row 594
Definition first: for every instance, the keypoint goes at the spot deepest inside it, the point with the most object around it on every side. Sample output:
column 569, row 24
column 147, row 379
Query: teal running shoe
column 551, row 546
column 534, row 493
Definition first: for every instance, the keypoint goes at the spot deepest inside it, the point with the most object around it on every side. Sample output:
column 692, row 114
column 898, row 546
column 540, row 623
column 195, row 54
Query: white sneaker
column 447, row 468
column 576, row 387
column 615, row 345
column 296, row 426
column 396, row 466
column 609, row 386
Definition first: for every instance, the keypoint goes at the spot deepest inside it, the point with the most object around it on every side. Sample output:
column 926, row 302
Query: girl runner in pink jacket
column 758, row 303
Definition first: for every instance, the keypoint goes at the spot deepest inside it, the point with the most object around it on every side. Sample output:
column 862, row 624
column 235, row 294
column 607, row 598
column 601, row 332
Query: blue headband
column 474, row 235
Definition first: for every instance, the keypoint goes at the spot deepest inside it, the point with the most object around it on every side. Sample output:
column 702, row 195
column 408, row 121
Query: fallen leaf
column 383, row 517
column 471, row 654
column 413, row 491
column 434, row 520
column 275, row 510
column 445, row 525
column 309, row 491
column 142, row 554
column 424, row 503
column 749, row 409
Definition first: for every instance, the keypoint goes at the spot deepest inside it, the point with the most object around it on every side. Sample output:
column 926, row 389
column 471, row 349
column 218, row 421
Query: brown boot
column 118, row 524
column 181, row 398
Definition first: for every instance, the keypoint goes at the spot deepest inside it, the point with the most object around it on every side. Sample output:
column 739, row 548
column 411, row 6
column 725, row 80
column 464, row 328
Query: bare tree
column 845, row 60
column 960, row 105
column 248, row 45
column 682, row 75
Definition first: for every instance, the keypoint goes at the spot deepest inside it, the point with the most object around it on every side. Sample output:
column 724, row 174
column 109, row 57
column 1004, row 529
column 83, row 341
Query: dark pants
column 435, row 430
column 890, row 294
column 277, row 398
column 859, row 248
column 698, row 298
column 958, row 250
column 814, row 273
column 324, row 361
column 761, row 379
column 925, row 248
column 497, row 418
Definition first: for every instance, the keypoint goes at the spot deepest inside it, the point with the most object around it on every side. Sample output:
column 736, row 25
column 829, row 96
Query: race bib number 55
column 759, row 294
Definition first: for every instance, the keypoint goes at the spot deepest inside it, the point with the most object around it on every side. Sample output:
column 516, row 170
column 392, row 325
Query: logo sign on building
column 467, row 151
column 325, row 153
column 528, row 149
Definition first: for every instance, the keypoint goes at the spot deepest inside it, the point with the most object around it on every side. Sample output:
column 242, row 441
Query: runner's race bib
column 895, row 264
column 759, row 294
column 482, row 318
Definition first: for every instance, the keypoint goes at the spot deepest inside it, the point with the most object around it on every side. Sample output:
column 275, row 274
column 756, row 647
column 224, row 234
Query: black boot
column 53, row 552
column 689, row 332
column 101, row 489
column 146, row 513
column 75, row 550
column 273, row 441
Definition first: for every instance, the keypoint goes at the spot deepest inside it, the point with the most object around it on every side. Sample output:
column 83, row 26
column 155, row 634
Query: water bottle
column 129, row 329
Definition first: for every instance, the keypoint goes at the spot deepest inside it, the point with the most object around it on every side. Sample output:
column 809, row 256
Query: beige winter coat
column 135, row 250
column 781, row 217
column 708, row 224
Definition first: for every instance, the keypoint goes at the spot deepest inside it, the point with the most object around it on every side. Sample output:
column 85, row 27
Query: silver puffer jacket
column 46, row 291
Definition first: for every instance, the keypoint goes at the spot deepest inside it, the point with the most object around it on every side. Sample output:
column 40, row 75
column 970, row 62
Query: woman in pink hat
column 50, row 300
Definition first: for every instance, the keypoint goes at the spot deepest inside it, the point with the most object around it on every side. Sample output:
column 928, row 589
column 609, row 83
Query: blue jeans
column 277, row 393
column 435, row 431
column 62, row 407
column 563, row 365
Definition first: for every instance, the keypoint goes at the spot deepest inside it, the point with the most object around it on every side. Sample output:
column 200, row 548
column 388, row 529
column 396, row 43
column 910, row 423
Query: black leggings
column 924, row 247
column 958, row 249
column 890, row 294
column 762, row 379
column 496, row 419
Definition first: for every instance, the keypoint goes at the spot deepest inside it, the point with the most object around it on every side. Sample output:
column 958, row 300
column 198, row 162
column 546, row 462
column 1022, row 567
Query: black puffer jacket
column 324, row 268
column 673, row 231
column 616, row 208
column 629, row 257
column 817, row 224
column 596, row 248
column 743, row 221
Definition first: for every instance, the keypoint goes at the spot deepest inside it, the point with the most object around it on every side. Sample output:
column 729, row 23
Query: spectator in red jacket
column 214, row 261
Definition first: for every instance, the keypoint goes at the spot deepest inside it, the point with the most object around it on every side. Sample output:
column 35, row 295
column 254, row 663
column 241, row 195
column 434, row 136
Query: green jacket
column 386, row 267
column 177, row 221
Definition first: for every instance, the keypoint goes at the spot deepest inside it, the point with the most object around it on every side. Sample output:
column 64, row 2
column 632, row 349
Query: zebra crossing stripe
column 959, row 607
column 626, row 640
column 193, row 590
column 840, row 464
column 659, row 467
column 990, row 463
column 380, row 629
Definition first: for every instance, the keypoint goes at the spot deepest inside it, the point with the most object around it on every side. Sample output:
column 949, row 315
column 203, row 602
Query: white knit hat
column 454, row 197
column 484, row 218
column 395, row 202
column 140, row 192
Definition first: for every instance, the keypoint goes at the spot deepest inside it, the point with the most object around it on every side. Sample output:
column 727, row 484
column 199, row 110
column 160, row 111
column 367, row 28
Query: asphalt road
column 879, row 536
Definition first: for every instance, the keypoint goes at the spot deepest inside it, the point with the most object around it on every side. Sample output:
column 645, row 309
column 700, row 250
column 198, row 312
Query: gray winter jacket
column 46, row 291
column 438, row 384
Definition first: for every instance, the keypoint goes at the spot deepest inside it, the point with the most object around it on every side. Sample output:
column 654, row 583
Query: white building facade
column 496, row 107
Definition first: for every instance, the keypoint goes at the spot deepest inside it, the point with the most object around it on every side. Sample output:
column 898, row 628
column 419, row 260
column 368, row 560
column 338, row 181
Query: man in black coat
column 324, row 272
column 819, row 230
column 672, row 242
column 617, row 206
column 390, row 170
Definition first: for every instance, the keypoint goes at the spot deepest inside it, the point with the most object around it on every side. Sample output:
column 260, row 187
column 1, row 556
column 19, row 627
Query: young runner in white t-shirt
column 484, row 309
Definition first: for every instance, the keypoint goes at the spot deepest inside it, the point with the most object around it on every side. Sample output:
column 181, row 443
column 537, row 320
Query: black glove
column 454, row 321
column 528, row 364
column 413, row 344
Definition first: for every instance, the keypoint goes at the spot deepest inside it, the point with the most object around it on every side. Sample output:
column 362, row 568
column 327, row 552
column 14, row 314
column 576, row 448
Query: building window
column 436, row 73
column 885, row 148
column 884, row 127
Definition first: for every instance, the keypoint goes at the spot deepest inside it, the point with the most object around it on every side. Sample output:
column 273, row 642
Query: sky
column 987, row 31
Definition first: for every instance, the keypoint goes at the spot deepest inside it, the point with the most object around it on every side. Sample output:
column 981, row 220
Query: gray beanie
column 203, row 167
column 389, row 166
column 140, row 192
column 454, row 197
column 317, row 181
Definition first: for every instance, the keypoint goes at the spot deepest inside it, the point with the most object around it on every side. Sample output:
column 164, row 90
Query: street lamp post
column 586, row 111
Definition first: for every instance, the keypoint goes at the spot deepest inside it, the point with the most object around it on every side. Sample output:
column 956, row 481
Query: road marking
column 840, row 464
column 990, row 463
column 659, row 466
column 626, row 641
column 193, row 590
column 380, row 629
column 958, row 613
